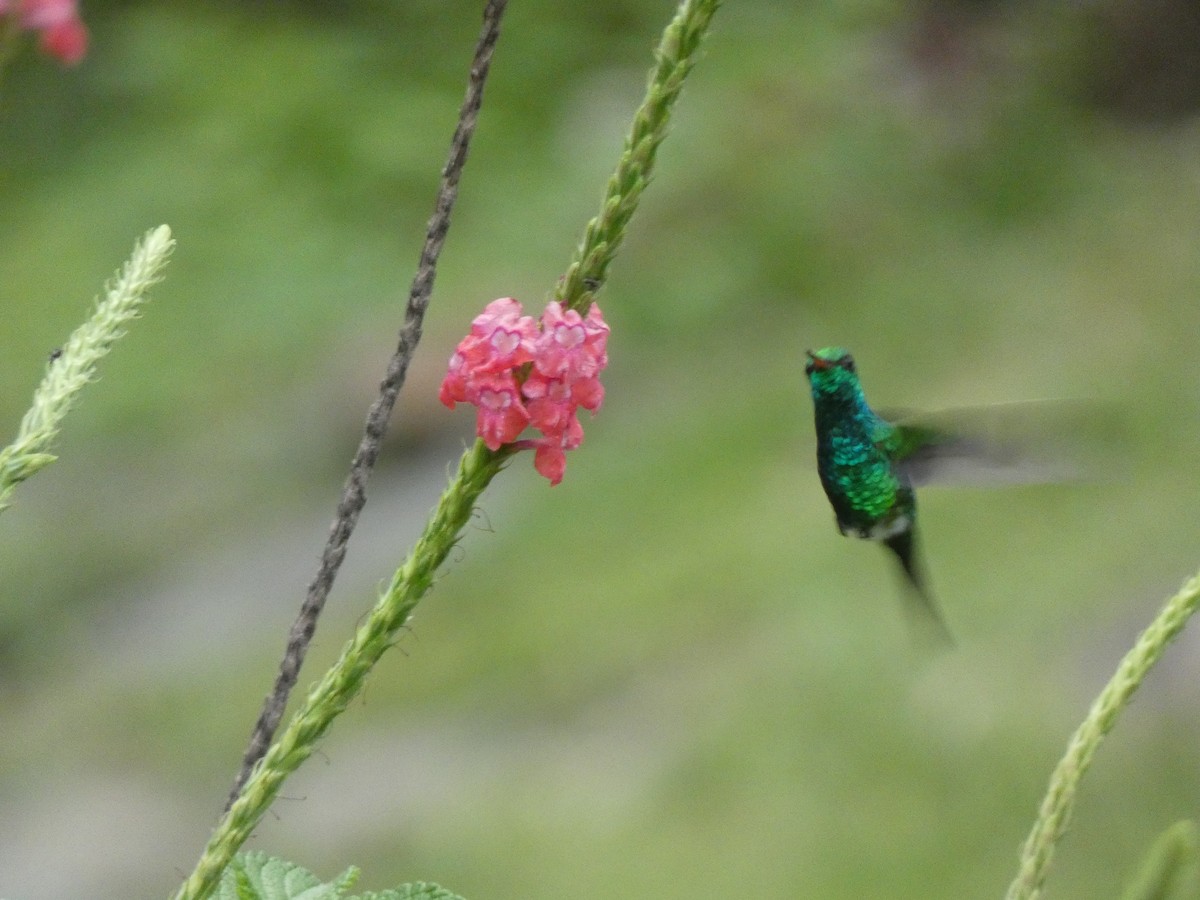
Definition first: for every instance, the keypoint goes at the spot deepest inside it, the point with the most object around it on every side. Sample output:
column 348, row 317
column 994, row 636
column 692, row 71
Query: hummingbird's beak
column 816, row 363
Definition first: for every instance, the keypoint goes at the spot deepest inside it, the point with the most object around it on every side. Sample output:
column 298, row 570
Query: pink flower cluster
column 62, row 33
column 521, row 372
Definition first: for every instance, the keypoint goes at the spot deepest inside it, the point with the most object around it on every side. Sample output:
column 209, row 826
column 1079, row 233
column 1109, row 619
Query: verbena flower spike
column 521, row 373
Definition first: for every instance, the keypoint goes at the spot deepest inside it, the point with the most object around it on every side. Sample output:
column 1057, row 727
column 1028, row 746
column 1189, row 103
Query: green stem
column 330, row 697
column 1055, row 812
column 675, row 57
column 676, row 54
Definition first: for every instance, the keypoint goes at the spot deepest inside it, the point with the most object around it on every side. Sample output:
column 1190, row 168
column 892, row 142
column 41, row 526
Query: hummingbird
column 869, row 463
column 861, row 461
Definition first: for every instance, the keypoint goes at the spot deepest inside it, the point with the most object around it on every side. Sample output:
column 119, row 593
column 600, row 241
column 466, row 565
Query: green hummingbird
column 861, row 458
column 870, row 464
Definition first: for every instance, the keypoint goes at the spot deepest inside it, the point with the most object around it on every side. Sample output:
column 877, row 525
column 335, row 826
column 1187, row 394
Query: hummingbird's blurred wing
column 1031, row 442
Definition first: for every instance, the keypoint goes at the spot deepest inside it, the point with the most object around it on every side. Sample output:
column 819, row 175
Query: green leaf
column 245, row 890
column 258, row 876
column 418, row 890
column 1171, row 870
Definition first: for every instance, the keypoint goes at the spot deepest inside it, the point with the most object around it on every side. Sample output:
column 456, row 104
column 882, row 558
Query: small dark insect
column 55, row 353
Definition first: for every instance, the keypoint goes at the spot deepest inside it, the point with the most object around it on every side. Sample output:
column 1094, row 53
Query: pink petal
column 502, row 416
column 588, row 393
column 536, row 386
column 495, row 401
column 456, row 385
column 38, row 14
column 501, row 337
column 573, row 436
column 550, row 461
column 570, row 345
column 597, row 341
column 452, row 391
column 550, row 418
column 552, row 315
column 500, row 428
column 595, row 319
column 471, row 352
column 498, row 312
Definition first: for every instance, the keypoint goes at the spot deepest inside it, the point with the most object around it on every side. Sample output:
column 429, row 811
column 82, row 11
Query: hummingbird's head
column 828, row 359
column 830, row 370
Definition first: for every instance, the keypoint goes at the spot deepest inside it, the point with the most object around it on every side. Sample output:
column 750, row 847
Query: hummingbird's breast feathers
column 861, row 483
column 870, row 496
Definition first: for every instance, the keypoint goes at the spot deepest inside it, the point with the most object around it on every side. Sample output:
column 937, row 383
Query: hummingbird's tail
column 921, row 609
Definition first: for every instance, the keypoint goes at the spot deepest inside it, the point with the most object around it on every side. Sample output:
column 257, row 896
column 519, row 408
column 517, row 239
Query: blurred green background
column 668, row 676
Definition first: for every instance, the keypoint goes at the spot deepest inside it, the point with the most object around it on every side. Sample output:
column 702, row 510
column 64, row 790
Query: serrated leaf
column 258, row 876
column 235, row 885
column 418, row 890
column 1171, row 870
column 245, row 890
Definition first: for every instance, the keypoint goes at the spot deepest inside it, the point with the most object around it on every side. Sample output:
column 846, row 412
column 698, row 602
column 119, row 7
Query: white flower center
column 568, row 336
column 497, row 400
column 505, row 342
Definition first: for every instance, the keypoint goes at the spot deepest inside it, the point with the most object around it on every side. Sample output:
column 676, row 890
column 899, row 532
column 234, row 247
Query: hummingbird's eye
column 847, row 363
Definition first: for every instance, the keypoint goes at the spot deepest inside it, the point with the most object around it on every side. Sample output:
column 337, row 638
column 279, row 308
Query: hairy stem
column 675, row 56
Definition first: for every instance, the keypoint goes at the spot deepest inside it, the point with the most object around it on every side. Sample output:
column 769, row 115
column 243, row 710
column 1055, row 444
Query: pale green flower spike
column 1055, row 812
column 75, row 364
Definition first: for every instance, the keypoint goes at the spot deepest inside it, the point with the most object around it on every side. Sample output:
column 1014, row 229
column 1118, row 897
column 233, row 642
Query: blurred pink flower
column 67, row 42
column 62, row 33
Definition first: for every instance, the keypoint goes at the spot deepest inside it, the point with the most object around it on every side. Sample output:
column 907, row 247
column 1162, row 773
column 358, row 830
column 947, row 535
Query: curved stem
column 1054, row 814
